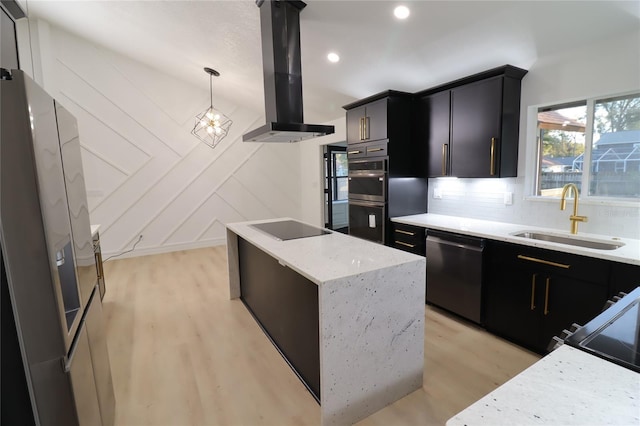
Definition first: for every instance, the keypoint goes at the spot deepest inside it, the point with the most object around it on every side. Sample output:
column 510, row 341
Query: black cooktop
column 289, row 229
column 614, row 334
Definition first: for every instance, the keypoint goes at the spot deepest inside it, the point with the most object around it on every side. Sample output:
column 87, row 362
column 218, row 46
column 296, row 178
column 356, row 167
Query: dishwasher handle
column 437, row 240
column 461, row 241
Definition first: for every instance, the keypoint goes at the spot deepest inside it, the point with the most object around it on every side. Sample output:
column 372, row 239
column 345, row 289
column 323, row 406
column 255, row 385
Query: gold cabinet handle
column 366, row 128
column 544, row 262
column 493, row 157
column 400, row 231
column 375, row 149
column 546, row 296
column 444, row 158
column 405, row 244
column 99, row 265
column 354, row 152
column 533, row 291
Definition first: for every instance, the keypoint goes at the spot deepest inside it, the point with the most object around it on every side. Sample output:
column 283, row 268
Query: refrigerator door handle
column 68, row 360
column 60, row 257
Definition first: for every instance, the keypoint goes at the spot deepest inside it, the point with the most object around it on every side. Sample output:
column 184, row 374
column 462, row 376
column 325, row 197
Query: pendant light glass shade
column 211, row 125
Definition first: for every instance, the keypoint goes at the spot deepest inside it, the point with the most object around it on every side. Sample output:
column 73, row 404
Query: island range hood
column 281, row 61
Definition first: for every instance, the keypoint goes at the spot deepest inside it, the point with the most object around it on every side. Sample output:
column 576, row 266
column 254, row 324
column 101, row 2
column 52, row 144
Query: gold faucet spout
column 574, row 218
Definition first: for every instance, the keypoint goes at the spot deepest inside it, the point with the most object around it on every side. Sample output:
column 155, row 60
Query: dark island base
column 285, row 305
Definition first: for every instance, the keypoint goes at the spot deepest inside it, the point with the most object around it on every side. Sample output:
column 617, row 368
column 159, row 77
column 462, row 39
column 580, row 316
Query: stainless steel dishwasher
column 454, row 273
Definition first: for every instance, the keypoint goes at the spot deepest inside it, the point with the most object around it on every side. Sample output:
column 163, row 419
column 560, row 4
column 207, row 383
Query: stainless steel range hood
column 281, row 61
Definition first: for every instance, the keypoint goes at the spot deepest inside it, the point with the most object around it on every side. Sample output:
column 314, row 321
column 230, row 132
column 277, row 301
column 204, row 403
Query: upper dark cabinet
column 470, row 126
column 476, row 112
column 367, row 122
column 380, row 126
column 432, row 131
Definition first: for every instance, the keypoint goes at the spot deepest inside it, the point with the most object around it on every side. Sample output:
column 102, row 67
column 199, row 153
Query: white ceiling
column 440, row 41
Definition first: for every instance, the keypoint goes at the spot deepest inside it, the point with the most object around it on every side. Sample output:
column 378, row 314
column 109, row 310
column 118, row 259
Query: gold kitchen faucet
column 574, row 218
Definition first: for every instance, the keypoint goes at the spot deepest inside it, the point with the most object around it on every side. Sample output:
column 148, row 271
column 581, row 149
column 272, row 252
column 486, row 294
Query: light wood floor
column 182, row 353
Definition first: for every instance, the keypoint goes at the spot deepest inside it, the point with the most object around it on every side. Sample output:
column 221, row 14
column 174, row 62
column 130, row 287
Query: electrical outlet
column 508, row 198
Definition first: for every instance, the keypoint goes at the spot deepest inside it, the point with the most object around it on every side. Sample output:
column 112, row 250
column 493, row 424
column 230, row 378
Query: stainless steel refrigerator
column 55, row 366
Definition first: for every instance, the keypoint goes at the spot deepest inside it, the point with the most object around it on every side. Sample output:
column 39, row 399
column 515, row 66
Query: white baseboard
column 166, row 248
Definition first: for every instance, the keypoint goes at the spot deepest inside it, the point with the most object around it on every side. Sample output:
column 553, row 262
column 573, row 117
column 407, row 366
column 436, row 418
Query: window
column 340, row 175
column 336, row 171
column 602, row 133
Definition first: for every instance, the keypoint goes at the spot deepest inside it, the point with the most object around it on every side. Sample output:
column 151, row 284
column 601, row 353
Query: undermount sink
column 572, row 241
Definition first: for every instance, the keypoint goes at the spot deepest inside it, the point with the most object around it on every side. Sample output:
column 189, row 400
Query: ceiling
column 439, row 42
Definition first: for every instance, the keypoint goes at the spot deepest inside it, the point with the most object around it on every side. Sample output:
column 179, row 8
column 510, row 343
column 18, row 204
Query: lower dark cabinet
column 285, row 305
column 408, row 238
column 624, row 277
column 533, row 294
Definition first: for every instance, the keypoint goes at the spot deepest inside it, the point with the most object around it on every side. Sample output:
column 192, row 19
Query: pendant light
column 212, row 125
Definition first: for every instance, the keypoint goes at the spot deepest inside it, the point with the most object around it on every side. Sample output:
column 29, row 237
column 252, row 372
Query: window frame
column 534, row 153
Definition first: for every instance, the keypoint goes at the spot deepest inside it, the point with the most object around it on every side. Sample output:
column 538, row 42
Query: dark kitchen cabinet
column 380, row 125
column 433, row 131
column 476, row 111
column 533, row 294
column 624, row 277
column 367, row 122
column 470, row 127
column 408, row 238
column 369, row 149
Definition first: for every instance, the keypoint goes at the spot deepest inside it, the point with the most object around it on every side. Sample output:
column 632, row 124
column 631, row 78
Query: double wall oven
column 368, row 183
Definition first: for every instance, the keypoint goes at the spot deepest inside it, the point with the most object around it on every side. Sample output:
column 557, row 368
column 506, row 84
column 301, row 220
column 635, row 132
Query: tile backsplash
column 488, row 199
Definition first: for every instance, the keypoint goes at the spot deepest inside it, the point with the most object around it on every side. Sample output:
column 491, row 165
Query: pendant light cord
column 211, row 91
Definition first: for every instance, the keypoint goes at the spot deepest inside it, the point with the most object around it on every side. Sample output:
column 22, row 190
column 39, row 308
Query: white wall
column 145, row 173
column 609, row 67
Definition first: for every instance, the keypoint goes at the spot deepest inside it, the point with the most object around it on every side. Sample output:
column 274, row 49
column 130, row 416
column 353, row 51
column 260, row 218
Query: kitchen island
column 362, row 308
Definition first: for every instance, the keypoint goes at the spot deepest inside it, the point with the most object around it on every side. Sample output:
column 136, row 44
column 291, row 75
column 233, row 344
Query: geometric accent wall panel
column 145, row 173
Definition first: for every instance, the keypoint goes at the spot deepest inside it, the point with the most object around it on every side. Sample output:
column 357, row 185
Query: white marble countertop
column 94, row 230
column 629, row 253
column 326, row 257
column 566, row 387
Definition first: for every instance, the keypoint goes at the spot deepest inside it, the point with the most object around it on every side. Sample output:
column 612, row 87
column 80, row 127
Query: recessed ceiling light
column 401, row 12
column 333, row 57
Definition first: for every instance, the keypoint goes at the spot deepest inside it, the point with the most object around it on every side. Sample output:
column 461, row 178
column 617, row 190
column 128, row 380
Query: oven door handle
column 367, row 174
column 366, row 203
